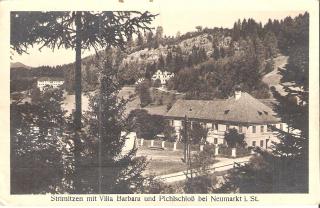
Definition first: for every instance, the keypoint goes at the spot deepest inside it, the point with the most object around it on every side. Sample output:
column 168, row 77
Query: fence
column 239, row 152
column 174, row 146
column 183, row 175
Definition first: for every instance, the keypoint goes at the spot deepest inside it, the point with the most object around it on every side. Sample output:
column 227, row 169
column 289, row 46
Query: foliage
column 105, row 169
column 216, row 79
column 56, row 29
column 147, row 126
column 198, row 134
column 76, row 30
column 156, row 186
column 169, row 133
column 203, row 181
column 39, row 156
column 200, row 185
column 143, row 90
column 233, row 138
column 285, row 168
column 35, row 95
column 157, row 83
column 204, row 159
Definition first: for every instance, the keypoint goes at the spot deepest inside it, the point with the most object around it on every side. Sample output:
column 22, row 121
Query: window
column 227, row 127
column 261, row 143
column 253, row 143
column 261, row 128
column 253, row 129
column 216, row 127
column 240, row 129
column 215, row 141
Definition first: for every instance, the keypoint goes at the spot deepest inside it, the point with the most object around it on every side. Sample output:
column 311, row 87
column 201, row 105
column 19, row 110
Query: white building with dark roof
column 242, row 112
column 162, row 76
column 53, row 82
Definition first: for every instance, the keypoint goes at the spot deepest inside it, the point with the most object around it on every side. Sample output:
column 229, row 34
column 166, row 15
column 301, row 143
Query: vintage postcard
column 159, row 102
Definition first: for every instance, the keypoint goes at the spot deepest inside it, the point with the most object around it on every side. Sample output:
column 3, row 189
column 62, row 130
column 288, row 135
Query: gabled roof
column 244, row 110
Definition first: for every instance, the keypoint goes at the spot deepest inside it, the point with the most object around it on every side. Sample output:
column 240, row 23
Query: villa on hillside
column 49, row 81
column 243, row 112
column 162, row 76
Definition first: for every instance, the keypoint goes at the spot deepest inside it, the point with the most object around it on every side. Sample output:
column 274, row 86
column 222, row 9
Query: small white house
column 162, row 76
column 49, row 81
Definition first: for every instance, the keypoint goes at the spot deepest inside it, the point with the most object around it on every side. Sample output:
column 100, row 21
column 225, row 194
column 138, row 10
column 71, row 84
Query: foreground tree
column 202, row 179
column 105, row 167
column 143, row 90
column 39, row 154
column 78, row 31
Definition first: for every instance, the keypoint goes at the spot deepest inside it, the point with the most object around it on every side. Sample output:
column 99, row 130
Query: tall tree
column 202, row 180
column 106, row 168
column 271, row 44
column 39, row 154
column 75, row 30
column 140, row 39
column 150, row 39
column 78, row 31
column 143, row 90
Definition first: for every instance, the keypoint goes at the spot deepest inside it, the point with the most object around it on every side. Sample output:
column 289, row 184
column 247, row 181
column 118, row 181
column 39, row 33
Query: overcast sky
column 172, row 20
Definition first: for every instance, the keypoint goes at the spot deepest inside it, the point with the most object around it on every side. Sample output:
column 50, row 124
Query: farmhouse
column 162, row 76
column 49, row 81
column 248, row 115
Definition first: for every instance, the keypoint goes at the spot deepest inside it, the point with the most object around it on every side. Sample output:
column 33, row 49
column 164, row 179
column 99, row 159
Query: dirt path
column 222, row 165
column 273, row 78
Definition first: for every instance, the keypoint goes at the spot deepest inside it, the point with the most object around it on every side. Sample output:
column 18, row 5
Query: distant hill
column 19, row 65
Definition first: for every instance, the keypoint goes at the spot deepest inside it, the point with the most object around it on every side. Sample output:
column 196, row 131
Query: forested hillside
column 207, row 62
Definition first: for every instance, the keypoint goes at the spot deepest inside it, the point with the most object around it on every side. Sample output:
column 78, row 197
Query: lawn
column 162, row 162
column 163, row 167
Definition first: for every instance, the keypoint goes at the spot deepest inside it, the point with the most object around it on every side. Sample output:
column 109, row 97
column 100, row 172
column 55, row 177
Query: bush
column 169, row 133
column 234, row 139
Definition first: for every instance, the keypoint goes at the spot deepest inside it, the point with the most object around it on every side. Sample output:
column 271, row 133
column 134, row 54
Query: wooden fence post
column 174, row 146
column 234, row 152
column 162, row 144
column 216, row 150
column 141, row 142
column 152, row 143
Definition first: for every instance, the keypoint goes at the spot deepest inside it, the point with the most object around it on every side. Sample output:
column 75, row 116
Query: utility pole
column 187, row 149
column 185, row 134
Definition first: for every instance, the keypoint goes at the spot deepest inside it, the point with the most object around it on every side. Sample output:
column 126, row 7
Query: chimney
column 237, row 92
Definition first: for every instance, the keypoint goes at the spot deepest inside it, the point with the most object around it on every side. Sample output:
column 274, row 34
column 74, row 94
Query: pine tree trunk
column 78, row 111
column 77, row 114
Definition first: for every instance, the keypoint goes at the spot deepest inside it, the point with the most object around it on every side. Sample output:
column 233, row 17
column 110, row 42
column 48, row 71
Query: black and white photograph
column 159, row 102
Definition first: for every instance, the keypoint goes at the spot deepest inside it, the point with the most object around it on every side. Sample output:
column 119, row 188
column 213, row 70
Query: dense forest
column 207, row 62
